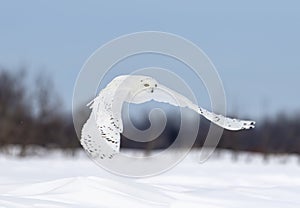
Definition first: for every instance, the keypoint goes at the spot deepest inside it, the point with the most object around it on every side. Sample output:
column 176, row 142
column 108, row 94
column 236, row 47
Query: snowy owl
column 100, row 135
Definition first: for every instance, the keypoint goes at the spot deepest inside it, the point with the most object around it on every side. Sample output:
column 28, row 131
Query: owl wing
column 100, row 135
column 99, row 143
column 166, row 95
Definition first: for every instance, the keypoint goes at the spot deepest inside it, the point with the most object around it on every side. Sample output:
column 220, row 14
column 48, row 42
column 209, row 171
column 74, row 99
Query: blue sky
column 255, row 46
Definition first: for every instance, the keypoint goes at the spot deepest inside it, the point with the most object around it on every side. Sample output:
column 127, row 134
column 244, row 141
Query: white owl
column 100, row 135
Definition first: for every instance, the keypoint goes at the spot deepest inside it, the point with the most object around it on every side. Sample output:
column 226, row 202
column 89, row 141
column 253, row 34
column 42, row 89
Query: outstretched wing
column 96, row 142
column 101, row 133
column 163, row 94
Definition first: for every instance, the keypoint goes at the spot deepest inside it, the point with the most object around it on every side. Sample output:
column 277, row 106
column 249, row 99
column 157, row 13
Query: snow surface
column 57, row 181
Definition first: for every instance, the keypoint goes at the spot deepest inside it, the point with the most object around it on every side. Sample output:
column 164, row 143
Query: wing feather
column 166, row 95
column 101, row 133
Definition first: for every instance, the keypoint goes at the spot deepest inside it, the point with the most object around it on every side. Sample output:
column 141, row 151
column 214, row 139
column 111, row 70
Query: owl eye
column 146, row 85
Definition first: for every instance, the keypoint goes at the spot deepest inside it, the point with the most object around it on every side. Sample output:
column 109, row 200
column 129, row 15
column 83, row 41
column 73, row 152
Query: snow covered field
column 56, row 181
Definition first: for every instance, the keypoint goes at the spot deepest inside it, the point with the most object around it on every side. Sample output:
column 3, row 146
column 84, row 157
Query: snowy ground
column 57, row 181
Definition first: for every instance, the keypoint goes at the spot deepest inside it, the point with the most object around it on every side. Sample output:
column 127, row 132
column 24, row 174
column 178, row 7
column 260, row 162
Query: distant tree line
column 277, row 136
column 31, row 115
